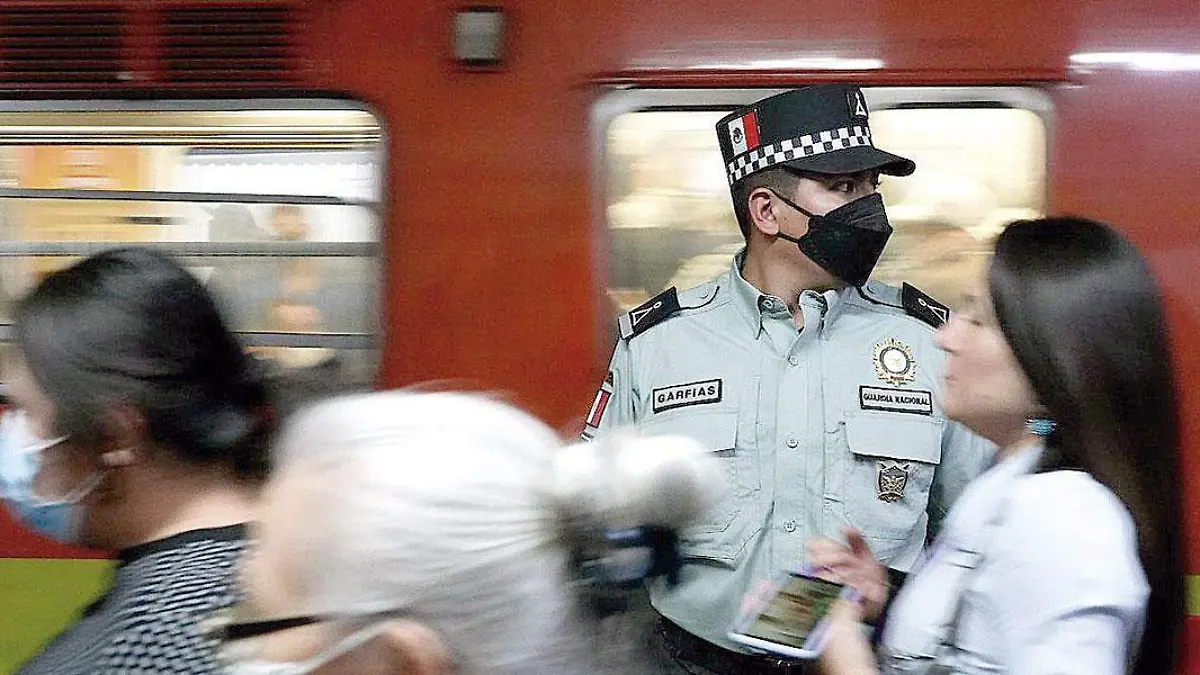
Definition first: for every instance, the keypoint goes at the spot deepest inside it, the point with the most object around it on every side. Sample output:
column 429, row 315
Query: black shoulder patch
column 923, row 307
column 648, row 314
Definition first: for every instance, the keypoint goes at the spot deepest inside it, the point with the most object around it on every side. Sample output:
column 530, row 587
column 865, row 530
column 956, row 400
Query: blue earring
column 1040, row 426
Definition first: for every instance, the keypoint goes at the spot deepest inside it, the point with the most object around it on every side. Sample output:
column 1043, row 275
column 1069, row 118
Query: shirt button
column 790, row 526
column 794, row 360
column 791, row 441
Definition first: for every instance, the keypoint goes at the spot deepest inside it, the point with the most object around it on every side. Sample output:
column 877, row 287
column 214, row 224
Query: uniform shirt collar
column 746, row 298
column 752, row 304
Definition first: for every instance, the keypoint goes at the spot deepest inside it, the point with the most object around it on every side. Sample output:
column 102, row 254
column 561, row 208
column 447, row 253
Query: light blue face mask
column 20, row 458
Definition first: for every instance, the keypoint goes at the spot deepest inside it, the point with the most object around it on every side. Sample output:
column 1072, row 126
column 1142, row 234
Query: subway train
column 408, row 191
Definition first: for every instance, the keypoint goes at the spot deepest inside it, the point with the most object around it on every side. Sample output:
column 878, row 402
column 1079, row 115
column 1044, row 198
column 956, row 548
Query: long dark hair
column 1083, row 315
column 132, row 327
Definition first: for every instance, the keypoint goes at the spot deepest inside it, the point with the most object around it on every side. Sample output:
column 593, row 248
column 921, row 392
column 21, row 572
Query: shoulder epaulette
column 649, row 314
column 923, row 307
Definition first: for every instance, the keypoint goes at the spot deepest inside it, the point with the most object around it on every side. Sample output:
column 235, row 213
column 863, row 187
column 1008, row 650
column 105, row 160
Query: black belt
column 683, row 646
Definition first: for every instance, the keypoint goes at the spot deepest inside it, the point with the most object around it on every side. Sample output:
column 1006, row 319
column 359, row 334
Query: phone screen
column 795, row 610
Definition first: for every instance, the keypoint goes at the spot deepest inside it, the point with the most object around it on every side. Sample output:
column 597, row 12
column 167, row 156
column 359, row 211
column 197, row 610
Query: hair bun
column 623, row 499
column 629, row 481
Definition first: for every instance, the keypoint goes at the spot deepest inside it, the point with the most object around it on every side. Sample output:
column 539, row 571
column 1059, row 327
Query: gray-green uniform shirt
column 836, row 424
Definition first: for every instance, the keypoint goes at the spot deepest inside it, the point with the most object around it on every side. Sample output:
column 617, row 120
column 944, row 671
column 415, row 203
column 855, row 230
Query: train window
column 273, row 204
column 981, row 162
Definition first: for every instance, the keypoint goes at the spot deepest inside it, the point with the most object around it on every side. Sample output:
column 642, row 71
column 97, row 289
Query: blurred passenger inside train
column 242, row 284
column 1063, row 557
column 443, row 532
column 936, row 254
column 298, row 279
column 280, row 294
column 140, row 427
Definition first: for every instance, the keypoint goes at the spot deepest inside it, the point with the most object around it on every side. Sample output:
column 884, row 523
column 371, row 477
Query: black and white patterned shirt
column 147, row 620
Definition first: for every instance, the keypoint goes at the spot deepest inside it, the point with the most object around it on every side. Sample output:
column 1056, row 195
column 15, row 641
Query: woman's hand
column 855, row 566
column 847, row 651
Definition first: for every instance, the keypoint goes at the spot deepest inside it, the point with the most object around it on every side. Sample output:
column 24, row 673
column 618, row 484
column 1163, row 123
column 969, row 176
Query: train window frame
column 372, row 144
column 616, row 102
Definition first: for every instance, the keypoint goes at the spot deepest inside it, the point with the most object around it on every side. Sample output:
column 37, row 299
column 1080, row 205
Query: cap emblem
column 743, row 133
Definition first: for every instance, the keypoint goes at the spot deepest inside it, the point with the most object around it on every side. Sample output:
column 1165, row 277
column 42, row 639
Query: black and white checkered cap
column 822, row 129
column 765, row 156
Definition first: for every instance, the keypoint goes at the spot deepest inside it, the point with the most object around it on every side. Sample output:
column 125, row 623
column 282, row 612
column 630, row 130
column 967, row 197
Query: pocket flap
column 895, row 437
column 714, row 430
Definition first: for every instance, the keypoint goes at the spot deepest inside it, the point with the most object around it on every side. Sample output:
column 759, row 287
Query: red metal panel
column 488, row 239
column 1189, row 663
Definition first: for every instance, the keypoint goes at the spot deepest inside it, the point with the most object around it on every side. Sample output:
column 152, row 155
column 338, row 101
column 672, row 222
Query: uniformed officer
column 816, row 386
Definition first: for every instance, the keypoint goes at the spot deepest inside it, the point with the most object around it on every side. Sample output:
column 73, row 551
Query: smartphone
column 794, row 623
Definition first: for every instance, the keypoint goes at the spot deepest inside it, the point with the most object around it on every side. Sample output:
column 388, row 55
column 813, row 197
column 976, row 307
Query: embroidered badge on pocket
column 891, row 478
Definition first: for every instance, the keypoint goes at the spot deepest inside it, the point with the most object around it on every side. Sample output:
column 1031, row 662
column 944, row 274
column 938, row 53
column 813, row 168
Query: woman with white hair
column 439, row 532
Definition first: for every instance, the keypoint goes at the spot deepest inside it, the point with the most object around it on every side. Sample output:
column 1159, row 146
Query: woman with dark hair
column 1061, row 558
column 149, row 427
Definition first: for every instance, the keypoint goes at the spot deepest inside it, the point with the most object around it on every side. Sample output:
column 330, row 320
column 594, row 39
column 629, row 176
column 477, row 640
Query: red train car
column 503, row 202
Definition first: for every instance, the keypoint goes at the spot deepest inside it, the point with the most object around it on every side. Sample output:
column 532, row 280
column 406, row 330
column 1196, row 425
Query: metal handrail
column 252, row 338
column 175, row 197
column 196, row 249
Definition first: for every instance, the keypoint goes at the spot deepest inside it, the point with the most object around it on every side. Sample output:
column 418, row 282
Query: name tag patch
column 895, row 400
column 692, row 393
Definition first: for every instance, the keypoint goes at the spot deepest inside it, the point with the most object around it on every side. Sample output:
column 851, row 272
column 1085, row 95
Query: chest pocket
column 721, row 537
column 892, row 463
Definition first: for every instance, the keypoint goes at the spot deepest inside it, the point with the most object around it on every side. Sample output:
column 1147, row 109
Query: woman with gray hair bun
column 433, row 533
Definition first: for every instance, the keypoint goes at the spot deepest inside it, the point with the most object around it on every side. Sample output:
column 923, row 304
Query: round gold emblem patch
column 894, row 362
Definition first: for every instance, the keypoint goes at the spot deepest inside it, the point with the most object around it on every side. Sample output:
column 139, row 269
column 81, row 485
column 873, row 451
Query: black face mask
column 847, row 241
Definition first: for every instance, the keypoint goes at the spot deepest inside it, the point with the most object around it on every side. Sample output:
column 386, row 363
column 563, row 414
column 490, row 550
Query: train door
column 273, row 204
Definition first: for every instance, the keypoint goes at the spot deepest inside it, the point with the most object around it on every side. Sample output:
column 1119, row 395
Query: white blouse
column 1059, row 587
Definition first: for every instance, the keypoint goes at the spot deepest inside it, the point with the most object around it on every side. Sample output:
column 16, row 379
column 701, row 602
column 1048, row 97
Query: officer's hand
column 852, row 564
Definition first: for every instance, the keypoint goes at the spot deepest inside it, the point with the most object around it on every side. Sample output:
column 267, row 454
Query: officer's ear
column 763, row 214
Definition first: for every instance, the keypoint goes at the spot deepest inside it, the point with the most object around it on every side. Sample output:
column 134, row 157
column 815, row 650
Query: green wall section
column 39, row 597
column 1193, row 594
